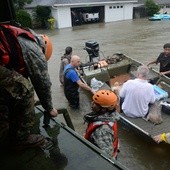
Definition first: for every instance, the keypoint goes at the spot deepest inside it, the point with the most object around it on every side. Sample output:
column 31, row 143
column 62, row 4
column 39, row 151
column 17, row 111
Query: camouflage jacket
column 14, row 83
column 38, row 71
column 36, row 65
column 103, row 136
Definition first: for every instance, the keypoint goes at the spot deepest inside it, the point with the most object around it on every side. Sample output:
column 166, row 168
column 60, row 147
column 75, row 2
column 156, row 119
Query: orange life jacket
column 10, row 50
column 94, row 125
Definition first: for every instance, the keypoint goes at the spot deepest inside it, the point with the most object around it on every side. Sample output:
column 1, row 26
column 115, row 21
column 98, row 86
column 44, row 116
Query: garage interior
column 86, row 15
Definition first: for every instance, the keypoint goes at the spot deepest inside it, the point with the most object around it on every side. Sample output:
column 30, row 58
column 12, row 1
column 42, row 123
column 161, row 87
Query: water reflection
column 139, row 153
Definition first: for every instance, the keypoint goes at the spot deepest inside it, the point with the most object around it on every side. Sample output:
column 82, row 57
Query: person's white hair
column 143, row 71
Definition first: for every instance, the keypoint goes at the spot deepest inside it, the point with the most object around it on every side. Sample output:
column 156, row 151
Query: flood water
column 142, row 40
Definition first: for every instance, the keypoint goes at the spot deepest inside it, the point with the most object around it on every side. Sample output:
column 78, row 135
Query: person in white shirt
column 137, row 94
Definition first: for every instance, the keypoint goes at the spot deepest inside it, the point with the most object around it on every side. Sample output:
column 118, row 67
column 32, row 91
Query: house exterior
column 68, row 12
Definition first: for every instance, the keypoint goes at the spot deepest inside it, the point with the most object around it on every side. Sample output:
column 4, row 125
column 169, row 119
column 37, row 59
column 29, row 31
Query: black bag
column 166, row 107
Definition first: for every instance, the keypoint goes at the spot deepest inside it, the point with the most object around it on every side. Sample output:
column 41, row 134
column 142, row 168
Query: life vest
column 69, row 86
column 94, row 125
column 10, row 51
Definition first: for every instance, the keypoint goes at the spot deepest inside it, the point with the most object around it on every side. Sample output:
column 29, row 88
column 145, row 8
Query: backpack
column 10, row 50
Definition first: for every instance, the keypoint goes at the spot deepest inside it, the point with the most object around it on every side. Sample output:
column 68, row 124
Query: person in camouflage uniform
column 102, row 122
column 17, row 92
column 65, row 59
column 17, row 96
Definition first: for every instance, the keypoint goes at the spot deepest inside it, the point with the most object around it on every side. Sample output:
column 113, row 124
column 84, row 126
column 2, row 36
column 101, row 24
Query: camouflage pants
column 17, row 100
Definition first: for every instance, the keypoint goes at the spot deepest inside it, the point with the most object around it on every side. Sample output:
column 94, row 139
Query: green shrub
column 24, row 18
column 151, row 7
column 42, row 14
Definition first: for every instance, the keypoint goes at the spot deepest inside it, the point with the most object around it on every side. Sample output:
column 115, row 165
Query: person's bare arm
column 84, row 86
column 152, row 62
column 165, row 72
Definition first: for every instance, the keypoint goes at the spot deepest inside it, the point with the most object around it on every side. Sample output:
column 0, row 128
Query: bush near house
column 24, row 18
column 151, row 7
column 41, row 15
column 51, row 22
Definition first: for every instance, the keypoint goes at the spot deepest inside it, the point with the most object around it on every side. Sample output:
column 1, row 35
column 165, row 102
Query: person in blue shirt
column 72, row 82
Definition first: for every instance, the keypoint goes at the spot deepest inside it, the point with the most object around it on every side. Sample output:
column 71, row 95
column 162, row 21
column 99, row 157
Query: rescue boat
column 121, row 68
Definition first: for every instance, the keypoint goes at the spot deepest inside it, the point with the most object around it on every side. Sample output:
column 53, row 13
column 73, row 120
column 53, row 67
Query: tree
column 42, row 14
column 151, row 7
column 19, row 4
column 24, row 18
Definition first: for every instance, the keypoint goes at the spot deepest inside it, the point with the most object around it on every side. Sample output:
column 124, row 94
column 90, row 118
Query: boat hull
column 122, row 71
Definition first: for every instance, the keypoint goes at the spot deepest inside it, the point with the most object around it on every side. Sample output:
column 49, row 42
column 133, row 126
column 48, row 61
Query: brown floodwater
column 142, row 40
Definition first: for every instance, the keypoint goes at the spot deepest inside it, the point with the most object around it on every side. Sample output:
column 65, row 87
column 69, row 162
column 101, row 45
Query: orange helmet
column 105, row 98
column 48, row 47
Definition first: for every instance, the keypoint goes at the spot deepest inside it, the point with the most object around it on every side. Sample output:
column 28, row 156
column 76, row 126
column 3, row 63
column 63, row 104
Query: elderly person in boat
column 164, row 137
column 137, row 94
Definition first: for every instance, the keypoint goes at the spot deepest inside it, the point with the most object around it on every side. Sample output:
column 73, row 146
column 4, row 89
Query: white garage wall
column 118, row 12
column 128, row 11
column 54, row 13
column 114, row 12
column 62, row 16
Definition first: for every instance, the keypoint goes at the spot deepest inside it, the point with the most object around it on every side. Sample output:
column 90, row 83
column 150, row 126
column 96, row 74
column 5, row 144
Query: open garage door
column 85, row 15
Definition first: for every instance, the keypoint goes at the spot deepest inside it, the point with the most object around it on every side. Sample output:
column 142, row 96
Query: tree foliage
column 42, row 14
column 151, row 7
column 24, row 18
column 19, row 4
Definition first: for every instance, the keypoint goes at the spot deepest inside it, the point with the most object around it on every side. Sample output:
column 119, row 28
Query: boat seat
column 100, row 74
column 119, row 68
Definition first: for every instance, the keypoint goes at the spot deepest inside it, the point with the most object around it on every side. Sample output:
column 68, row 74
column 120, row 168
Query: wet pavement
column 142, row 40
